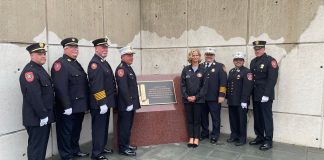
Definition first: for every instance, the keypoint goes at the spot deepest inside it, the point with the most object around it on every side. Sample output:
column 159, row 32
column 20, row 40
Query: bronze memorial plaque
column 156, row 92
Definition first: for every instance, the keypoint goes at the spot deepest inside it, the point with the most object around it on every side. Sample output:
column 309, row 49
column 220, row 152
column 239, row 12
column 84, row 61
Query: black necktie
column 207, row 65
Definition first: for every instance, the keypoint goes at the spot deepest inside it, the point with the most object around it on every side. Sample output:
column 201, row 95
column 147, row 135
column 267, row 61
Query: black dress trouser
column 100, row 125
column 68, row 129
column 37, row 141
column 125, row 121
column 263, row 121
column 238, row 120
column 193, row 111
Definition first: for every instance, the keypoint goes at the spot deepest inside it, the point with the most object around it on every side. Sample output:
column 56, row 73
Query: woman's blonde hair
column 189, row 55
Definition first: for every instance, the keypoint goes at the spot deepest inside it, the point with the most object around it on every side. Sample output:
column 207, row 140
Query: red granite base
column 158, row 124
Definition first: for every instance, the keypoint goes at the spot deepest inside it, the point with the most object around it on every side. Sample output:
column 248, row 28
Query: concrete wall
column 162, row 32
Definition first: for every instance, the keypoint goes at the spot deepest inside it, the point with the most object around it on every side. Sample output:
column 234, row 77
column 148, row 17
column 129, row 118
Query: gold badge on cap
column 41, row 45
column 73, row 39
column 257, row 42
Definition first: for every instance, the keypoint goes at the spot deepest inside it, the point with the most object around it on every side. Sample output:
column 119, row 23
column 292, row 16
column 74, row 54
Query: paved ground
column 222, row 151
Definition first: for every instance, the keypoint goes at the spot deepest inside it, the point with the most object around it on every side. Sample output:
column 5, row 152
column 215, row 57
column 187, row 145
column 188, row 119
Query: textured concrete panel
column 297, row 129
column 322, row 129
column 164, row 61
column 315, row 27
column 78, row 18
column 14, row 59
column 217, row 22
column 14, row 146
column 122, row 22
column 164, row 23
column 22, row 20
column 279, row 21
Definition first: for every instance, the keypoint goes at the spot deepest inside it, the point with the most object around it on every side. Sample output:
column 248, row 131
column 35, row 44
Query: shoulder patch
column 57, row 66
column 121, row 72
column 29, row 76
column 94, row 66
column 274, row 63
column 249, row 76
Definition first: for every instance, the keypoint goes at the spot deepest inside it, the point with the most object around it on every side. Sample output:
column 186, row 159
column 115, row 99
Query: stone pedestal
column 158, row 124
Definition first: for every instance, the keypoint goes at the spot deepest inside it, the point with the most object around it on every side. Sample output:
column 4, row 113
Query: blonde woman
column 193, row 90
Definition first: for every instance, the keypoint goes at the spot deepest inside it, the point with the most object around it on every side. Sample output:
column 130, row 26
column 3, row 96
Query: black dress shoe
column 240, row 143
column 256, row 142
column 134, row 148
column 108, row 151
column 265, row 147
column 213, row 140
column 128, row 152
column 189, row 145
column 230, row 140
column 80, row 154
column 101, row 158
column 195, row 145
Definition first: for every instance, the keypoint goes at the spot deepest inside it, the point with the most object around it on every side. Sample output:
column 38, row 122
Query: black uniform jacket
column 102, row 83
column 71, row 85
column 193, row 84
column 127, row 87
column 239, row 86
column 216, row 81
column 265, row 75
column 38, row 95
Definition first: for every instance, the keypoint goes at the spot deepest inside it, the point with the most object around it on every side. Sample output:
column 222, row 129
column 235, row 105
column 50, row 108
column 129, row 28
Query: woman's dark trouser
column 193, row 111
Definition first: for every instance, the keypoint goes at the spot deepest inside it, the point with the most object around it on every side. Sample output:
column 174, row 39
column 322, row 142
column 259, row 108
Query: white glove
column 244, row 105
column 264, row 99
column 103, row 109
column 43, row 121
column 129, row 108
column 68, row 111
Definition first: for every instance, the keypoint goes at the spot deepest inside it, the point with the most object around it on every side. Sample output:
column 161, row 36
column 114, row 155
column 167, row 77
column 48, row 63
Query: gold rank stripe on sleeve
column 222, row 89
column 100, row 95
